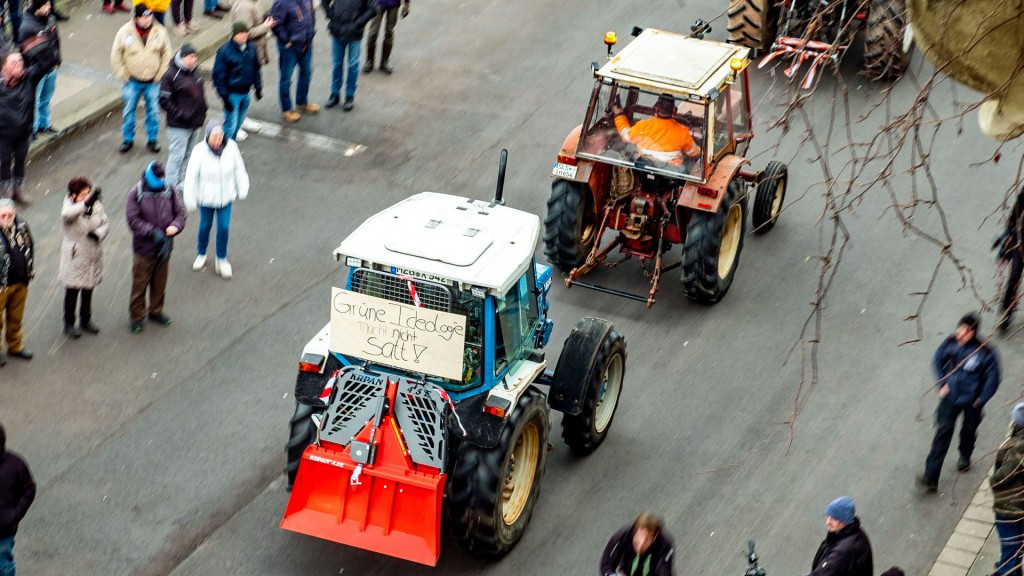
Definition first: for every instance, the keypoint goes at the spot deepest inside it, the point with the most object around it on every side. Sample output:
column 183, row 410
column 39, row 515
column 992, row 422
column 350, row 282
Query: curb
column 962, row 551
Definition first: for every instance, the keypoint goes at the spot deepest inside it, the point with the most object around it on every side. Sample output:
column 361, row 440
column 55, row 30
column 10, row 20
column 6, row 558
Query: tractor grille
column 421, row 414
column 392, row 287
column 355, row 404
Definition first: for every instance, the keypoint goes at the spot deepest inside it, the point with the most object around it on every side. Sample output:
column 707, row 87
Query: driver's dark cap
column 666, row 105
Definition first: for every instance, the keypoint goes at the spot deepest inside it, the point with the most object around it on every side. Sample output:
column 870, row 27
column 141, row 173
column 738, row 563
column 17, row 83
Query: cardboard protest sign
column 397, row 335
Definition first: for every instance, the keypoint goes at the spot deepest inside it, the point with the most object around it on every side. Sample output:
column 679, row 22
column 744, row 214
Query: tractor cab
column 709, row 93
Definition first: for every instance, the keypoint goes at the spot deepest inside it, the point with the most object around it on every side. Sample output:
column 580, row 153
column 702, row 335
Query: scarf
column 636, row 563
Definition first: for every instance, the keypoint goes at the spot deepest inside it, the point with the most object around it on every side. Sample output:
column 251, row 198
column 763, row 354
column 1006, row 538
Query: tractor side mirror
column 636, row 31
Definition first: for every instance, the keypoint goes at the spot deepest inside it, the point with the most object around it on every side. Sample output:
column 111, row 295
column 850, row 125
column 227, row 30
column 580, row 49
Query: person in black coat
column 236, row 73
column 17, row 491
column 17, row 104
column 182, row 97
column 346, row 20
column 40, row 47
column 1011, row 254
column 846, row 550
column 643, row 548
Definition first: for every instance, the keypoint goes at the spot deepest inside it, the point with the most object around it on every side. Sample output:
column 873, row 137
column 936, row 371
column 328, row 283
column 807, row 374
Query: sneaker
column 181, row 29
column 347, row 107
column 72, row 331
column 160, row 319
column 928, row 485
column 108, row 8
column 251, row 125
column 192, row 27
column 199, row 263
column 368, row 67
column 89, row 327
column 125, row 146
column 212, row 14
column 332, row 101
column 153, row 146
column 135, row 326
column 309, row 108
column 24, row 354
column 51, row 132
column 291, row 116
column 963, row 464
column 241, row 135
column 387, row 69
column 222, row 267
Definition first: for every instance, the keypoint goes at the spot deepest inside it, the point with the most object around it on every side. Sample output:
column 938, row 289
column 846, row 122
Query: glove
column 228, row 106
column 92, row 236
column 158, row 235
column 259, row 94
column 93, row 198
column 164, row 251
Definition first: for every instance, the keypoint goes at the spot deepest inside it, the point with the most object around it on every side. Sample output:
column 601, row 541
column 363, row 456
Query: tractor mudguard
column 482, row 429
column 575, row 366
column 568, row 150
column 689, row 198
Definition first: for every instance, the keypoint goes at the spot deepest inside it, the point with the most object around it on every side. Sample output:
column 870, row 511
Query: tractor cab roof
column 447, row 238
column 675, row 63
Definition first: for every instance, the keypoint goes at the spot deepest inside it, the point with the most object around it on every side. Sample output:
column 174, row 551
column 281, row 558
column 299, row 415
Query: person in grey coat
column 81, row 253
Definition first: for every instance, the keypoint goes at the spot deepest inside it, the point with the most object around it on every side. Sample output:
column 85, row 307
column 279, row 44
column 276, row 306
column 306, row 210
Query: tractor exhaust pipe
column 502, row 161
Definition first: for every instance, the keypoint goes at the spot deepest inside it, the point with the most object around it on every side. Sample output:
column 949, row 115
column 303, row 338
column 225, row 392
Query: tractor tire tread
column 886, row 24
column 699, row 277
column 562, row 246
column 579, row 432
column 750, row 23
column 764, row 197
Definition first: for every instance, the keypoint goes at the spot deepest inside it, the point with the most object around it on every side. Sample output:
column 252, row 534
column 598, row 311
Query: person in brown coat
column 259, row 24
column 81, row 254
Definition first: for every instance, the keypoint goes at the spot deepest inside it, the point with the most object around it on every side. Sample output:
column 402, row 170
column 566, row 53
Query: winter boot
column 6, row 188
column 18, row 192
column 385, row 56
column 370, row 48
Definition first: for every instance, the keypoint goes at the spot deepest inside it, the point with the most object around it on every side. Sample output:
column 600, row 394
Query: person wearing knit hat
column 967, row 377
column 155, row 214
column 846, row 550
column 347, row 20
column 236, row 73
column 183, row 98
column 40, row 25
column 140, row 55
column 1007, row 482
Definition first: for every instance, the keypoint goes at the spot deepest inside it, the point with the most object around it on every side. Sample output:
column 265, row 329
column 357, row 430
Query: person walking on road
column 17, row 268
column 967, row 374
column 155, row 215
column 17, row 102
column 387, row 10
column 260, row 26
column 216, row 177
column 295, row 27
column 40, row 47
column 182, row 97
column 139, row 57
column 17, row 492
column 81, row 253
column 236, row 73
column 347, row 19
column 1007, row 483
column 1011, row 254
column 641, row 549
column 846, row 550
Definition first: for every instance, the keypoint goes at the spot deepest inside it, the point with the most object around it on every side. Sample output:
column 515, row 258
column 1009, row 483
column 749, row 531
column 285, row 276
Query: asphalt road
column 161, row 453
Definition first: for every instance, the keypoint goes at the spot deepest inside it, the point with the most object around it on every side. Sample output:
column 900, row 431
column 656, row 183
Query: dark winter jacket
column 347, row 18
column 971, row 371
column 17, row 490
column 296, row 22
column 1009, row 243
column 619, row 555
column 385, row 4
column 147, row 209
column 1008, row 476
column 236, row 71
column 23, row 239
column 17, row 107
column 182, row 97
column 844, row 553
column 46, row 52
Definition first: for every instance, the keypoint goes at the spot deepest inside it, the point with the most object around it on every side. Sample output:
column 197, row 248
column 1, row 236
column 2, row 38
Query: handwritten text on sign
column 396, row 334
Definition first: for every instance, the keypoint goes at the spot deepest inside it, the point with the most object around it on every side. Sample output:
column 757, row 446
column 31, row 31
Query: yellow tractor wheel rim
column 519, row 478
column 730, row 240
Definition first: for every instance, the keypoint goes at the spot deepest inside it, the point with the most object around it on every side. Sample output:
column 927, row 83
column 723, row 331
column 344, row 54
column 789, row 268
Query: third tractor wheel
column 888, row 40
column 771, row 191
column 493, row 491
column 584, row 432
column 302, row 433
column 751, row 23
column 713, row 244
column 570, row 228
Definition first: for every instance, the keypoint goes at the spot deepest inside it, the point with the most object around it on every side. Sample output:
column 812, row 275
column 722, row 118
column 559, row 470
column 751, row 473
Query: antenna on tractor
column 502, row 161
column 699, row 29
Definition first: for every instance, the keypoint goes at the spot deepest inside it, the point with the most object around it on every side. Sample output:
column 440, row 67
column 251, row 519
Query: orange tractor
column 659, row 161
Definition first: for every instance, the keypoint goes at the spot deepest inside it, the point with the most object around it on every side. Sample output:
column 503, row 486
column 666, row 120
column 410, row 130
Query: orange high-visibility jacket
column 660, row 138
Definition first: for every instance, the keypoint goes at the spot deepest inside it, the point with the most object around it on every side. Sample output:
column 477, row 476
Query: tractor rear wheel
column 302, row 433
column 771, row 191
column 888, row 40
column 570, row 228
column 585, row 431
column 713, row 244
column 494, row 490
column 751, row 23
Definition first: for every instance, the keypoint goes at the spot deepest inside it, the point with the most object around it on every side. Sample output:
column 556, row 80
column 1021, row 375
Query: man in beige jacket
column 140, row 56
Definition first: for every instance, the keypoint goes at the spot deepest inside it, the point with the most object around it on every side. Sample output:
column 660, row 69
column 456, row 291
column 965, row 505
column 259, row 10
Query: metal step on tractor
column 428, row 391
column 660, row 161
column 820, row 32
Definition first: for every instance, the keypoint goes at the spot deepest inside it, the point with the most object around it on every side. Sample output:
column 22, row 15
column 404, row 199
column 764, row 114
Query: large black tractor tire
column 771, row 192
column 570, row 228
column 493, row 491
column 713, row 244
column 585, row 431
column 752, row 23
column 888, row 40
column 302, row 432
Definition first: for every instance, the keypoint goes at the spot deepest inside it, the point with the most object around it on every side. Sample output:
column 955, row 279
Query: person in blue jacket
column 967, row 373
column 295, row 27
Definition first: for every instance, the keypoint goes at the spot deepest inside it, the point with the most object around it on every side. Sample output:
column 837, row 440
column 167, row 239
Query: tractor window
column 724, row 110
column 740, row 111
column 517, row 317
column 659, row 133
column 472, row 359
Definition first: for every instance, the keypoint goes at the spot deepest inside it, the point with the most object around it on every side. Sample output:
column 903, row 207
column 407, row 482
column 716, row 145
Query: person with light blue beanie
column 846, row 550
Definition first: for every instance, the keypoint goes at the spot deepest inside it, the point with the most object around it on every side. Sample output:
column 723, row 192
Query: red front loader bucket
column 392, row 506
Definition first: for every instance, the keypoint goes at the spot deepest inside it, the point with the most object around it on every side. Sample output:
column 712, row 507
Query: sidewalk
column 87, row 90
column 973, row 549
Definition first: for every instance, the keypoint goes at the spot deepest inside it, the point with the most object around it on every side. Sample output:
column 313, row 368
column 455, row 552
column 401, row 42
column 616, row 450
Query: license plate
column 564, row 170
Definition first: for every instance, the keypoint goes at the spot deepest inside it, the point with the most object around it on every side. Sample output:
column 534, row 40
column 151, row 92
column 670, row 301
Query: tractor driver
column 660, row 138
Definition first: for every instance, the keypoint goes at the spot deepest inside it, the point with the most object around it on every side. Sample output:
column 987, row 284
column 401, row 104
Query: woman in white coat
column 81, row 256
column 214, row 179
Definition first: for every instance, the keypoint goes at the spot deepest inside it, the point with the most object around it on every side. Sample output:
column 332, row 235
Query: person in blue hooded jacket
column 967, row 373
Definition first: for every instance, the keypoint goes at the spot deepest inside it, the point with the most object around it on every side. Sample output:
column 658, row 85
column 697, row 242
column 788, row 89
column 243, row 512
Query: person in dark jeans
column 295, row 27
column 1011, row 254
column 17, row 102
column 967, row 373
